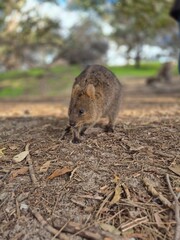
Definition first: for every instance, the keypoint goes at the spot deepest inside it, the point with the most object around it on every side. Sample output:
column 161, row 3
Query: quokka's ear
column 90, row 91
column 76, row 89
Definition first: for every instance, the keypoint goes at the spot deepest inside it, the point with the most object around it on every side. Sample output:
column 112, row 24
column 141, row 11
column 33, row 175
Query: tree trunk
column 128, row 55
column 138, row 60
column 138, row 57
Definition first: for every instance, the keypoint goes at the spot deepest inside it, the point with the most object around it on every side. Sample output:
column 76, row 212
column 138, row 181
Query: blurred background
column 45, row 44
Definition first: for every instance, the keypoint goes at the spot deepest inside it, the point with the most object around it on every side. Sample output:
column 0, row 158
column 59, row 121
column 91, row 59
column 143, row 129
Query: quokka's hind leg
column 112, row 115
column 110, row 126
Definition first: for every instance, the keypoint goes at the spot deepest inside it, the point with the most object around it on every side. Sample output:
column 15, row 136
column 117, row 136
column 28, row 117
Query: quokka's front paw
column 109, row 129
column 65, row 132
column 76, row 140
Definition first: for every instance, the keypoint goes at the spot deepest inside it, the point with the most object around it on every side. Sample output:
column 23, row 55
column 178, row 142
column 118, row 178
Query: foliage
column 140, row 22
column 87, row 5
column 85, row 44
column 22, row 31
column 26, row 36
column 135, row 22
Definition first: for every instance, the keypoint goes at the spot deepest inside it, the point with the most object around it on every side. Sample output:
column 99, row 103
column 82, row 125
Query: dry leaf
column 17, row 172
column 117, row 191
column 110, row 228
column 45, row 167
column 59, row 172
column 158, row 220
column 13, row 147
column 116, row 179
column 117, row 195
column 175, row 169
column 1, row 152
column 89, row 209
column 21, row 156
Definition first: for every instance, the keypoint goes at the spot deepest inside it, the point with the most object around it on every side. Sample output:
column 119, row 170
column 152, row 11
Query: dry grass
column 104, row 167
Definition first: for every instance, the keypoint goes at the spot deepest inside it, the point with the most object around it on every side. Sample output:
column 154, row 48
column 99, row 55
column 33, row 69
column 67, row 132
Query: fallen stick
column 104, row 202
column 126, row 226
column 176, row 208
column 59, row 231
column 73, row 171
column 153, row 191
column 48, row 227
column 31, row 169
column 76, row 229
column 162, row 154
column 126, row 190
column 73, row 228
column 17, row 209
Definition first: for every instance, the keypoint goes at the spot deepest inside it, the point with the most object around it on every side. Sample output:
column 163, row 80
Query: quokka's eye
column 81, row 111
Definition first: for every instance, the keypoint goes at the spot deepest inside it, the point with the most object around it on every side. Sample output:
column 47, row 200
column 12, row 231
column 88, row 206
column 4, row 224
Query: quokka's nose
column 72, row 123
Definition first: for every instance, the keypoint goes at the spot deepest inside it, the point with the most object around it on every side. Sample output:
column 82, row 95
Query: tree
column 23, row 31
column 85, row 44
column 136, row 23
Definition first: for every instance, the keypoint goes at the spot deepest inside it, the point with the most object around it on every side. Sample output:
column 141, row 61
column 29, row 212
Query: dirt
column 105, row 182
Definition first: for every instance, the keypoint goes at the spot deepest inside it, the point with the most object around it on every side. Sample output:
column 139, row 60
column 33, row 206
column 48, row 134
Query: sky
column 66, row 17
column 62, row 2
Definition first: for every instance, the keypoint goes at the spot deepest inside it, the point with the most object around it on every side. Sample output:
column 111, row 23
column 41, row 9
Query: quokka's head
column 82, row 109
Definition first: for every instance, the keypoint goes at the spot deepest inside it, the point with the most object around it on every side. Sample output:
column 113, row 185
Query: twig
column 128, row 196
column 108, row 219
column 59, row 231
column 104, row 202
column 31, row 169
column 76, row 229
column 47, row 226
column 164, row 154
column 17, row 209
column 73, row 228
column 79, row 203
column 176, row 209
column 91, row 197
column 126, row 226
column 153, row 191
column 73, row 171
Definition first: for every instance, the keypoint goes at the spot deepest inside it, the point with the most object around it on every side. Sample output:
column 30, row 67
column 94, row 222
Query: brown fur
column 96, row 93
column 164, row 74
column 152, row 80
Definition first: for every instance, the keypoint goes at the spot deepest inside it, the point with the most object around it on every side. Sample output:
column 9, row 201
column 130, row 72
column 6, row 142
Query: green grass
column 15, row 74
column 146, row 69
column 11, row 92
column 58, row 80
column 74, row 70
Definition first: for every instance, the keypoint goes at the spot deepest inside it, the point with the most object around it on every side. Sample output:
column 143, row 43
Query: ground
column 105, row 184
